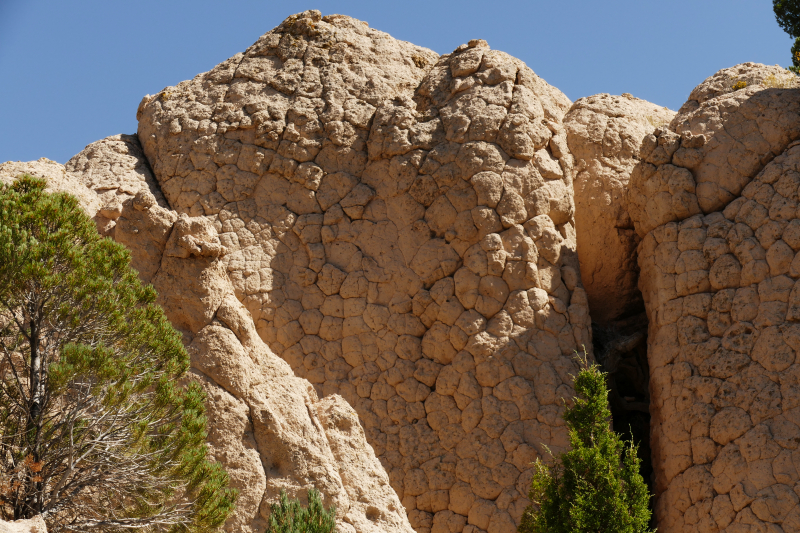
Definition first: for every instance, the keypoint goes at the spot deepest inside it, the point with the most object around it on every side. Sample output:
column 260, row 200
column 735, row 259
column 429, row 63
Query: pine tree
column 787, row 13
column 596, row 486
column 289, row 516
column 96, row 433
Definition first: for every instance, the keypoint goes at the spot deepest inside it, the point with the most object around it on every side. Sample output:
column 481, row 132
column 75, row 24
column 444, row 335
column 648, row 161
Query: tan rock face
column 722, row 83
column 713, row 151
column 604, row 133
column 115, row 169
column 58, row 180
column 718, row 275
column 33, row 525
column 266, row 426
column 400, row 227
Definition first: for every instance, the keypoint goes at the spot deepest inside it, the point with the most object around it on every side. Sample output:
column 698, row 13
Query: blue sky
column 72, row 72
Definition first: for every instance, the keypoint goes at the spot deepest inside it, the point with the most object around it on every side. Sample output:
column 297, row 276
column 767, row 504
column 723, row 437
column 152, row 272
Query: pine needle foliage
column 787, row 14
column 96, row 433
column 289, row 516
column 596, row 486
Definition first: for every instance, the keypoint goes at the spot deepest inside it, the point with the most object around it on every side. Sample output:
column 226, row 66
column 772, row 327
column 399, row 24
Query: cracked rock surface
column 267, row 426
column 715, row 200
column 400, row 227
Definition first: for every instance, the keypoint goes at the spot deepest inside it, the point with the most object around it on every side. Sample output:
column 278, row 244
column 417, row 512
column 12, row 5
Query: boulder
column 400, row 227
column 57, row 177
column 604, row 133
column 32, row 525
column 267, row 427
column 715, row 202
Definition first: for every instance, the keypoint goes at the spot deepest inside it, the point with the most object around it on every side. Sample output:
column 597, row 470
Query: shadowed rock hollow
column 604, row 133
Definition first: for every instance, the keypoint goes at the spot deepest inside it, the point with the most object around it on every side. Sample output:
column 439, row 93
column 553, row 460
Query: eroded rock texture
column 267, row 427
column 115, row 169
column 604, row 133
column 58, row 180
column 400, row 226
column 33, row 525
column 715, row 201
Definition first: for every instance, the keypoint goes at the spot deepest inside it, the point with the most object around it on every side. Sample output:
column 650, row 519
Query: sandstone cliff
column 267, row 427
column 715, row 202
column 401, row 228
column 372, row 254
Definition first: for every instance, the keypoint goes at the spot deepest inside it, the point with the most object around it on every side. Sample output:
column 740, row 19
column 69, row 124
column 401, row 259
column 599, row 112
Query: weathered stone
column 58, row 180
column 712, row 197
column 604, row 133
column 32, row 525
column 370, row 201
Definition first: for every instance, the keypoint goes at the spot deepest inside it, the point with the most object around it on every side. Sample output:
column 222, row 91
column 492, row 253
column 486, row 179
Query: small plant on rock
column 289, row 516
column 596, row 486
column 780, row 82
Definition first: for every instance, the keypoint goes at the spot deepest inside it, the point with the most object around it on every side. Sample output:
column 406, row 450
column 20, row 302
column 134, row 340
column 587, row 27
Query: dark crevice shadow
column 620, row 347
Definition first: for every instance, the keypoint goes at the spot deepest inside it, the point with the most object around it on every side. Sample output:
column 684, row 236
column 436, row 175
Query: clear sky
column 72, row 72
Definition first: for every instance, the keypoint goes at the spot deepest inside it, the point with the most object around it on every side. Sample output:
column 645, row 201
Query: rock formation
column 372, row 254
column 400, row 227
column 58, row 180
column 604, row 133
column 115, row 169
column 33, row 525
column 268, row 427
column 715, row 201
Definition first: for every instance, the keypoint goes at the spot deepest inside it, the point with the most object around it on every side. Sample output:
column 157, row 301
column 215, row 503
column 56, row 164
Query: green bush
column 787, row 13
column 96, row 432
column 289, row 516
column 596, row 486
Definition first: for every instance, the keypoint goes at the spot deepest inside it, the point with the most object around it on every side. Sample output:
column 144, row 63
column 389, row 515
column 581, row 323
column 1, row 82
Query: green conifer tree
column 595, row 487
column 787, row 13
column 96, row 433
column 289, row 516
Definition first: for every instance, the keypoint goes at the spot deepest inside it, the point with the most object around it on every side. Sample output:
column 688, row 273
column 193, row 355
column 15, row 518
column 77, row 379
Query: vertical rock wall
column 267, row 427
column 401, row 228
column 715, row 201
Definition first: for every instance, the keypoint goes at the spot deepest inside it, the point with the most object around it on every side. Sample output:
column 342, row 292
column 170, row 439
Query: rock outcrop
column 400, row 226
column 715, row 201
column 372, row 254
column 115, row 168
column 604, row 133
column 58, row 180
column 268, row 427
column 727, row 80
column 33, row 525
